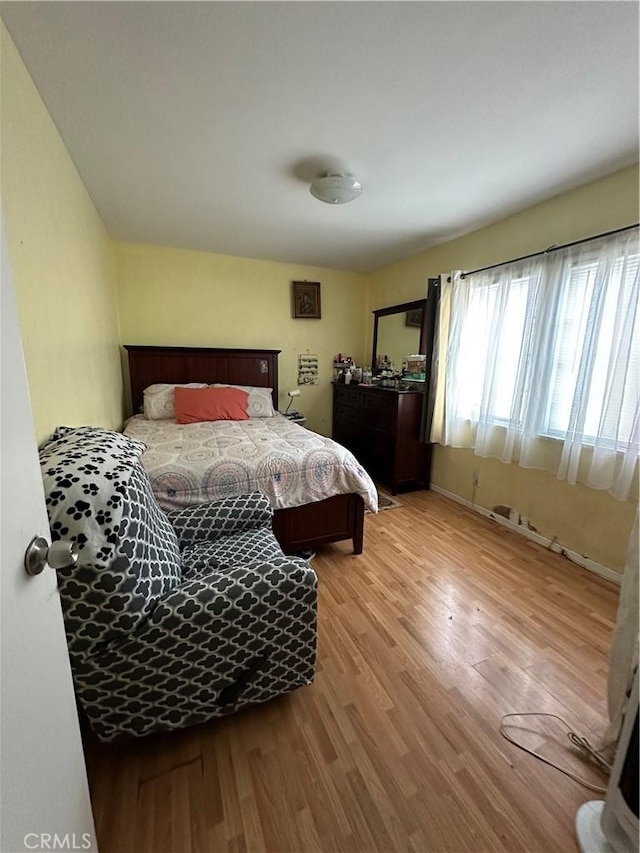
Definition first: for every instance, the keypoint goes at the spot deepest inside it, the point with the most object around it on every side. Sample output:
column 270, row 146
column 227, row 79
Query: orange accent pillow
column 210, row 404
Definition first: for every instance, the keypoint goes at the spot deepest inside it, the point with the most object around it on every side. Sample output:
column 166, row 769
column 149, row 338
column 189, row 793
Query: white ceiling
column 201, row 124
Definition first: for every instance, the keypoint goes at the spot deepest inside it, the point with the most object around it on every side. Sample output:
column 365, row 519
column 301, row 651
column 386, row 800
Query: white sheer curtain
column 543, row 364
column 440, row 349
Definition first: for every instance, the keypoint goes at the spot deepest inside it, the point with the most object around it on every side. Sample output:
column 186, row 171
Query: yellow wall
column 63, row 265
column 590, row 522
column 178, row 297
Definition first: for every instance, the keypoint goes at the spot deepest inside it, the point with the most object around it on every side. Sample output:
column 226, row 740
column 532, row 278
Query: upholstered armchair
column 173, row 619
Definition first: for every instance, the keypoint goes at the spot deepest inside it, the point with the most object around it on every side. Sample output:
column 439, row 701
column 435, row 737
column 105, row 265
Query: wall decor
column 306, row 300
column 307, row 369
column 414, row 317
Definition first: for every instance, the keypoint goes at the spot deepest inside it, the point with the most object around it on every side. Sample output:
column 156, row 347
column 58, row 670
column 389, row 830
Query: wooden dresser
column 381, row 427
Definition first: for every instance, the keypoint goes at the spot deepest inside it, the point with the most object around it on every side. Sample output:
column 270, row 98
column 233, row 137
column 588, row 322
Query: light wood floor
column 446, row 622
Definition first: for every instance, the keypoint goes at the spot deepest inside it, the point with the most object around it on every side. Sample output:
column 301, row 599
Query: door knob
column 58, row 555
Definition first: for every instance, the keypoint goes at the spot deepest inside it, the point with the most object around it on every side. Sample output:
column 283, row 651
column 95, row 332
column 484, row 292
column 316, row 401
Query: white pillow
column 160, row 400
column 260, row 402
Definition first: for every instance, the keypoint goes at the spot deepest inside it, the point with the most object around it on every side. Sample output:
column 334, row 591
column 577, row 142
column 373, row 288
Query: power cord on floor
column 581, row 743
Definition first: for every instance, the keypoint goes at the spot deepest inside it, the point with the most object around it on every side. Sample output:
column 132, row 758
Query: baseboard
column 590, row 565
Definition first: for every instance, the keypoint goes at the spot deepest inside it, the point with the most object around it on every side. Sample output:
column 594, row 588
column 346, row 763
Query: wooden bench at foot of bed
column 331, row 520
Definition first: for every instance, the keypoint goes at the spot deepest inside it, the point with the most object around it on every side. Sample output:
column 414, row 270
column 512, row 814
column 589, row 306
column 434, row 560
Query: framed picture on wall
column 306, row 300
column 414, row 318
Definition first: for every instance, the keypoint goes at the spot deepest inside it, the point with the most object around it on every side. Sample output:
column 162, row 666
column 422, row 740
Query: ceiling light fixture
column 336, row 188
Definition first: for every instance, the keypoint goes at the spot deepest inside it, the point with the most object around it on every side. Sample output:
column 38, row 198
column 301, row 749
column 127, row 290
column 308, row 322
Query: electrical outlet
column 476, row 478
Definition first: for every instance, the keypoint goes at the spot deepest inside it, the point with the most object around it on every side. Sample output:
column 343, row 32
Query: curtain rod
column 551, row 249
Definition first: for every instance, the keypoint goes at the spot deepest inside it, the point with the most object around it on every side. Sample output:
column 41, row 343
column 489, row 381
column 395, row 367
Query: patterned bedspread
column 193, row 463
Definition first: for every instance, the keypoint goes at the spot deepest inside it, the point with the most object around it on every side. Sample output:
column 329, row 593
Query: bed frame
column 298, row 528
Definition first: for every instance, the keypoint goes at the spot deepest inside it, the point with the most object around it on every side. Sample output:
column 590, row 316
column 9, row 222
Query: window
column 582, row 325
column 548, row 348
column 503, row 319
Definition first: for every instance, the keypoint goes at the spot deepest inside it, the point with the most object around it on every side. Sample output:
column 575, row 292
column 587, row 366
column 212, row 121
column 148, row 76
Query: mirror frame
column 398, row 309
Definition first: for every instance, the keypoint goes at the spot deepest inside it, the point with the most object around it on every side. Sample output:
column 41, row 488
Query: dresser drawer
column 380, row 401
column 380, row 439
column 380, row 409
column 377, row 462
column 346, row 414
column 349, row 437
column 344, row 395
column 354, row 397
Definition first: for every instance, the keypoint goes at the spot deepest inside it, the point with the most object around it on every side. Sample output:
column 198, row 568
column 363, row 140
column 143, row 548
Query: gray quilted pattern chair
column 174, row 619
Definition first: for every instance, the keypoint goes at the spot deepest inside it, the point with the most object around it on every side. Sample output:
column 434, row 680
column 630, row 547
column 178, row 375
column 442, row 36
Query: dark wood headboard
column 148, row 365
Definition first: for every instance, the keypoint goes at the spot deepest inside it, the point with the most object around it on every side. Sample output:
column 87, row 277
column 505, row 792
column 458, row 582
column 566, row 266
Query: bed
column 317, row 497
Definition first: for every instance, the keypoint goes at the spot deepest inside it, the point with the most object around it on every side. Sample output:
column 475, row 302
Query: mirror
column 398, row 331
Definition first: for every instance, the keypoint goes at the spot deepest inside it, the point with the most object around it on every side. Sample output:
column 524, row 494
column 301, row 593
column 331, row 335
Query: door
column 44, row 792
